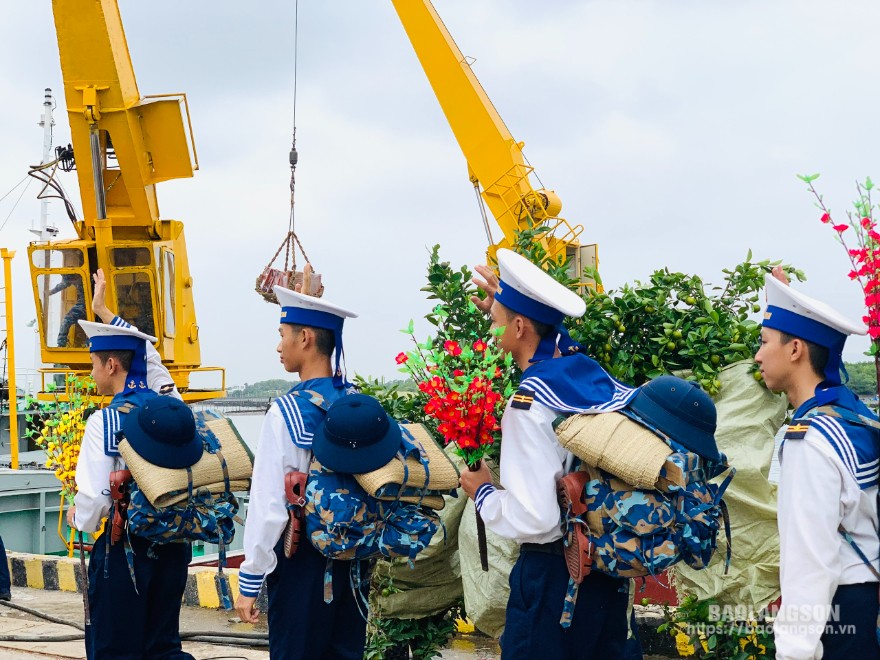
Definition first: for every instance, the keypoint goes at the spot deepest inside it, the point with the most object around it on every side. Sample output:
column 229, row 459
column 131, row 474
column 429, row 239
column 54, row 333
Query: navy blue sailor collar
column 326, row 386
column 836, row 395
column 575, row 384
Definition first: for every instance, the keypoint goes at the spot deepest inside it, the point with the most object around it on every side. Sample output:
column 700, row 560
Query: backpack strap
column 845, row 414
column 855, row 546
column 312, row 397
column 423, row 459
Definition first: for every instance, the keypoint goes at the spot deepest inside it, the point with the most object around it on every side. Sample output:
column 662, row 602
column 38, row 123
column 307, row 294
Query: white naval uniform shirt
column 267, row 509
column 817, row 493
column 93, row 467
column 532, row 461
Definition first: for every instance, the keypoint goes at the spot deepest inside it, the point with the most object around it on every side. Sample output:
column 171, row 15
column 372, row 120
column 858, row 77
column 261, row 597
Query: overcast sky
column 671, row 130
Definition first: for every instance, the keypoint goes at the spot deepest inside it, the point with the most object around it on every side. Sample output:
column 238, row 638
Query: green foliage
column 264, row 388
column 390, row 638
column 423, row 637
column 396, row 396
column 862, row 378
column 674, row 322
column 454, row 315
column 716, row 638
column 528, row 244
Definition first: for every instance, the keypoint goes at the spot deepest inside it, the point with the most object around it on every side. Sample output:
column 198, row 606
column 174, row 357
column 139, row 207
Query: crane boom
column 495, row 159
column 147, row 136
column 123, row 145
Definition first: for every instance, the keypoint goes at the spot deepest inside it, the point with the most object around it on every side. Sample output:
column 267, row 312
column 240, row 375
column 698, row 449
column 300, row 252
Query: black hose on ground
column 223, row 633
column 41, row 615
column 220, row 638
column 42, row 638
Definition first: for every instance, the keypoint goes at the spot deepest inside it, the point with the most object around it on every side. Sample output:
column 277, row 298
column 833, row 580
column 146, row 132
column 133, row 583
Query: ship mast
column 47, row 122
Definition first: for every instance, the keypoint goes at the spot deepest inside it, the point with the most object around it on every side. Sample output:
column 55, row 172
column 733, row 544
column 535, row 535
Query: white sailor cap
column 106, row 337
column 799, row 315
column 300, row 309
column 526, row 289
column 795, row 313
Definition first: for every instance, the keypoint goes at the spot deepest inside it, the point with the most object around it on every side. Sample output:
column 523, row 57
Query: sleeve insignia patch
column 522, row 399
column 797, row 430
column 167, row 388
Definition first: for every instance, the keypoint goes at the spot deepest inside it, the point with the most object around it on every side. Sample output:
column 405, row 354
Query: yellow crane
column 496, row 165
column 123, row 144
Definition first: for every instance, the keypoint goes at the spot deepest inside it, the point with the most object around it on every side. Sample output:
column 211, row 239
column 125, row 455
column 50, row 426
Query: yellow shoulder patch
column 797, row 429
column 523, row 399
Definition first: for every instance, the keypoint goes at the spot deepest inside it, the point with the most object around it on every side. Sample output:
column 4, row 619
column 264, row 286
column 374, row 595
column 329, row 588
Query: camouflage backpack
column 639, row 532
column 636, row 532
column 343, row 521
column 202, row 516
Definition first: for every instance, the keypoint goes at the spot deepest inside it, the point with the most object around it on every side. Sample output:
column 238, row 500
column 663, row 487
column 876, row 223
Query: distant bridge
column 237, row 405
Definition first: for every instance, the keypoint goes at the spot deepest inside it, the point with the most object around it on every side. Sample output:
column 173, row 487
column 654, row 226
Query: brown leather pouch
column 119, row 494
column 578, row 548
column 295, row 489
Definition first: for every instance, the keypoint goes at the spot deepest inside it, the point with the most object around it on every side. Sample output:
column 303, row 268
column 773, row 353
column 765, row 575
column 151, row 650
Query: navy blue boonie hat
column 680, row 410
column 163, row 432
column 356, row 436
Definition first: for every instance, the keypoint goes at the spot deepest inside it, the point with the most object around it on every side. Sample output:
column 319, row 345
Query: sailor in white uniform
column 827, row 507
column 304, row 623
column 557, row 380
column 91, row 473
column 128, row 622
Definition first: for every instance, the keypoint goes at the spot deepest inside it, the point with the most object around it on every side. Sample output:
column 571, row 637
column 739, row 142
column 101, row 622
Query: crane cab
column 148, row 285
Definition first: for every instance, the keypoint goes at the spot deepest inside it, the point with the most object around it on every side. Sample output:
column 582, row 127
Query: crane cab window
column 134, row 299
column 129, row 257
column 168, row 291
column 63, row 304
column 58, row 258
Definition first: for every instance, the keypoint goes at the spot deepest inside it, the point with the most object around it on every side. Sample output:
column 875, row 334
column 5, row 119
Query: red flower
column 458, row 373
column 479, row 346
column 452, row 347
column 866, row 222
column 874, row 331
column 840, row 228
column 826, row 218
column 468, row 443
column 401, row 358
